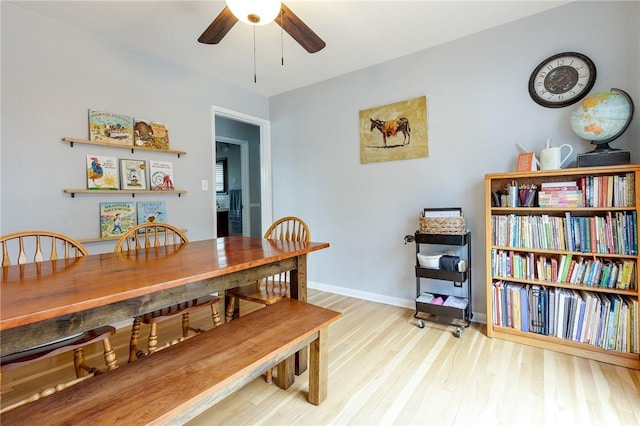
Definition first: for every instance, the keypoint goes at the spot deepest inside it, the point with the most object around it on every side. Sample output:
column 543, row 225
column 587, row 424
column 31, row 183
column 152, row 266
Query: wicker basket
column 443, row 225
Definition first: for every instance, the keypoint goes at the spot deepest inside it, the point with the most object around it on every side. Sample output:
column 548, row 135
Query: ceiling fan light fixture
column 255, row 12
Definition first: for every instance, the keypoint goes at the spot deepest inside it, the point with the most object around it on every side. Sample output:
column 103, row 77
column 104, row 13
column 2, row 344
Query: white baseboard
column 379, row 298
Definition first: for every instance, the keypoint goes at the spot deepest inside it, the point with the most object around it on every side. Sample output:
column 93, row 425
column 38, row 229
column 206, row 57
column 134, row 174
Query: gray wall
column 478, row 109
column 51, row 74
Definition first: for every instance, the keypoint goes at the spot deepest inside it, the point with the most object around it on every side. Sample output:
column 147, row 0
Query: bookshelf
column 133, row 148
column 564, row 277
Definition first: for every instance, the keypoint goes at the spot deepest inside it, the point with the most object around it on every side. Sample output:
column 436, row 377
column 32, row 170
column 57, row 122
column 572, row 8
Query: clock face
column 562, row 80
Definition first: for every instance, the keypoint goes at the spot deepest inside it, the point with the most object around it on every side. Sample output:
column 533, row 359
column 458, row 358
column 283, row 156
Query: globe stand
column 603, row 157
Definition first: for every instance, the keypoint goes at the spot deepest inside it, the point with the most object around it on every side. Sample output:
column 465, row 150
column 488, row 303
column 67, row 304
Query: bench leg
column 302, row 360
column 286, row 376
column 318, row 367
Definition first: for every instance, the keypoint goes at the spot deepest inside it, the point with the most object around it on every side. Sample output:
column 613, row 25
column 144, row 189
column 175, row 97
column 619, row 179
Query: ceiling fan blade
column 220, row 26
column 299, row 31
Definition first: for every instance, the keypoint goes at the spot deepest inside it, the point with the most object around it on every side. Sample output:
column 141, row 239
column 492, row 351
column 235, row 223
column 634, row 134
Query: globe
column 603, row 117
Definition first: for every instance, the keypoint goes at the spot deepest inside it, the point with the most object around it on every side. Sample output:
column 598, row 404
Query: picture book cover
column 526, row 162
column 102, row 172
column 160, row 136
column 161, row 175
column 142, row 133
column 133, row 174
column 110, row 127
column 116, row 218
column 151, row 211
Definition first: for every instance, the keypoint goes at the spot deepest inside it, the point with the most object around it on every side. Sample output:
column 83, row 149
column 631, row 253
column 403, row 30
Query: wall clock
column 562, row 79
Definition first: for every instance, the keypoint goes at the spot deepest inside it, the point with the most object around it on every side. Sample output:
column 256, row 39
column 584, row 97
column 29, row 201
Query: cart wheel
column 458, row 332
column 420, row 323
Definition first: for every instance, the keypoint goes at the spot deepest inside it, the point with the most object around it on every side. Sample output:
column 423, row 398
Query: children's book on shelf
column 161, row 175
column 116, row 218
column 102, row 172
column 133, row 174
column 160, row 136
column 142, row 133
column 151, row 211
column 526, row 162
column 110, row 127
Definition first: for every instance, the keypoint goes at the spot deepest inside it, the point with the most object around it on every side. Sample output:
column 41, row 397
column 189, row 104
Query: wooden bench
column 180, row 382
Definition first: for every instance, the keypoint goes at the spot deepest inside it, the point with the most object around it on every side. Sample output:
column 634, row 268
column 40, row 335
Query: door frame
column 266, row 198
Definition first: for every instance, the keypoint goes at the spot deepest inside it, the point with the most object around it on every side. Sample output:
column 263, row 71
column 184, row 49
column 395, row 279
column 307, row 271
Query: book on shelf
column 142, row 133
column 524, row 308
column 561, row 303
column 591, row 310
column 133, row 174
column 628, row 272
column 635, row 325
column 538, row 306
column 161, row 175
column 110, row 127
column 102, row 172
column 160, row 135
column 517, row 306
column 506, row 305
column 579, row 322
column 551, row 311
column 151, row 212
column 526, row 162
column 571, row 184
column 116, row 218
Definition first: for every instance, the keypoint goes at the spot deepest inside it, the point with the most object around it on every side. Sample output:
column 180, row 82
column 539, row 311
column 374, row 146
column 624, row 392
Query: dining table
column 45, row 301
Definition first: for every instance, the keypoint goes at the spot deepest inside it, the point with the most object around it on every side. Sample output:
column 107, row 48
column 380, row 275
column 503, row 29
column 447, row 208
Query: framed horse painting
column 396, row 131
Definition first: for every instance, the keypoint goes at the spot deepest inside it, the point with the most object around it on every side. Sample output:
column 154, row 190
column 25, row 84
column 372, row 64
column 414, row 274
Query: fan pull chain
column 255, row 78
column 281, row 39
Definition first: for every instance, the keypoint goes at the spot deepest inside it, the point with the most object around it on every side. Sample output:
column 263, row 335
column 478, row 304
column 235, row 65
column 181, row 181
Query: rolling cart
column 439, row 307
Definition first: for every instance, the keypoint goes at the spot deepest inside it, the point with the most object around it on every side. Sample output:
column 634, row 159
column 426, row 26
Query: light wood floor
column 384, row 370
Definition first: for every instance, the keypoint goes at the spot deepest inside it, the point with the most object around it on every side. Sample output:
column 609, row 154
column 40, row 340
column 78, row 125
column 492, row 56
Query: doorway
column 236, row 188
column 251, row 136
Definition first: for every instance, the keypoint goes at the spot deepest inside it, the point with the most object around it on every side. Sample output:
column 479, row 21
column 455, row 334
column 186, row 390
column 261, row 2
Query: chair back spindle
column 289, row 228
column 29, row 246
column 148, row 235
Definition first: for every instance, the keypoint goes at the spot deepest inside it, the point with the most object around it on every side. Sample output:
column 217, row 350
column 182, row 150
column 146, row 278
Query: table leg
column 298, row 290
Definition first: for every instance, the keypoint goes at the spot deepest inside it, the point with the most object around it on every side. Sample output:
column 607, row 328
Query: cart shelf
column 460, row 317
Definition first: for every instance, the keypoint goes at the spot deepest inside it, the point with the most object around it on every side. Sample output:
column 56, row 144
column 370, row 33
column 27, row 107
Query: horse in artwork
column 391, row 128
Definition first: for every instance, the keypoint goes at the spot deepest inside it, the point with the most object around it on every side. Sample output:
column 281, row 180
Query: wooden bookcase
column 507, row 258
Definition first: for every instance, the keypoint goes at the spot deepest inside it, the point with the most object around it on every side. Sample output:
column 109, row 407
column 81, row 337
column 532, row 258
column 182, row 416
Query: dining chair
column 272, row 289
column 25, row 247
column 152, row 235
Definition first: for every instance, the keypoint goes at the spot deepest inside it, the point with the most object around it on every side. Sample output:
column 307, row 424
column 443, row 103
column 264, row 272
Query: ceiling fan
column 236, row 10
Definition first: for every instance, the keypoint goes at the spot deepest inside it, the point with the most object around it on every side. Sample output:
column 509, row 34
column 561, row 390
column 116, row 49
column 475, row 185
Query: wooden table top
column 36, row 292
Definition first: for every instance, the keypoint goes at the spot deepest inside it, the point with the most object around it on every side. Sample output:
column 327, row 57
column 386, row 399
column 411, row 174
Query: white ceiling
column 358, row 34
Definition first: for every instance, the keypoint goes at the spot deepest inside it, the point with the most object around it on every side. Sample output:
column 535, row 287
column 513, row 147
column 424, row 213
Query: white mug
column 551, row 158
